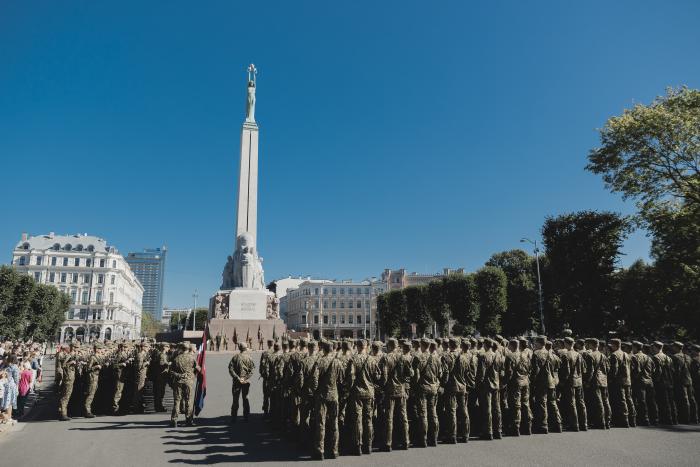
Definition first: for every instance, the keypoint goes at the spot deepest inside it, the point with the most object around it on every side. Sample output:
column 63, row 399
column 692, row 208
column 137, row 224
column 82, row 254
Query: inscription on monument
column 249, row 306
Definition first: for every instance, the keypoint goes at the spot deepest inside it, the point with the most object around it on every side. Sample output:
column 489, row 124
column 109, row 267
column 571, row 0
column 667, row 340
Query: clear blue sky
column 393, row 133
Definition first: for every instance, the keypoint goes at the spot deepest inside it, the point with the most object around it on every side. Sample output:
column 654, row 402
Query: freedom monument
column 243, row 306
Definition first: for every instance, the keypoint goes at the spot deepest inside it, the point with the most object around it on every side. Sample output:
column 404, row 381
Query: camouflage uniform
column 182, row 377
column 643, row 387
column 119, row 364
column 488, row 378
column 241, row 369
column 330, row 380
column 663, row 385
column 623, row 412
column 427, row 370
column 68, row 368
column 140, row 369
column 362, row 373
column 573, row 405
column 94, row 366
column 683, row 386
column 543, row 389
column 461, row 381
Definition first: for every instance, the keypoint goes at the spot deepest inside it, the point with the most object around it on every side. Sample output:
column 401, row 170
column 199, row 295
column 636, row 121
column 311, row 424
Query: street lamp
column 194, row 310
column 539, row 279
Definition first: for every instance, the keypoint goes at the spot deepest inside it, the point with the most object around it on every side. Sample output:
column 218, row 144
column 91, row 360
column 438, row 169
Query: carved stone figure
column 273, row 304
column 250, row 104
column 247, row 267
column 227, row 275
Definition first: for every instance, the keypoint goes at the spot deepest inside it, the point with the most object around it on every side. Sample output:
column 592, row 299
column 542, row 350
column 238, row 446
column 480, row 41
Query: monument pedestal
column 269, row 328
column 245, row 304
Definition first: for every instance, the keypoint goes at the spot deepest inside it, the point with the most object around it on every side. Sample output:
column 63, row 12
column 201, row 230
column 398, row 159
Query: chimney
column 25, row 236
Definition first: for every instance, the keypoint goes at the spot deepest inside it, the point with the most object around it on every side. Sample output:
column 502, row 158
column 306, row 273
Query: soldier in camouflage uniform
column 68, row 367
column 489, row 367
column 330, row 381
column 427, row 372
column 619, row 379
column 461, row 381
column 161, row 365
column 241, row 369
column 265, row 375
column 120, row 360
column 396, row 371
column 663, row 384
column 362, row 373
column 543, row 387
column 309, row 385
column 574, row 407
column 682, row 385
column 276, row 373
column 93, row 368
column 140, row 370
column 643, row 386
column 182, row 376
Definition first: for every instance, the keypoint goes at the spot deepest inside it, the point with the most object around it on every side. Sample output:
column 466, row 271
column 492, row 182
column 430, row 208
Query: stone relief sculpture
column 221, row 306
column 273, row 304
column 250, row 104
column 247, row 267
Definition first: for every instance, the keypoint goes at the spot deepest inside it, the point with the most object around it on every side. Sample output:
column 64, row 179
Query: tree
column 491, row 284
column 522, row 313
column 178, row 321
column 149, row 325
column 200, row 316
column 416, row 308
column 47, row 311
column 462, row 299
column 16, row 294
column 437, row 305
column 397, row 312
column 641, row 306
column 652, row 152
column 389, row 324
column 582, row 250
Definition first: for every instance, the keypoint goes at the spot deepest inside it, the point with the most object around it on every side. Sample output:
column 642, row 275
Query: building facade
column 149, row 267
column 398, row 278
column 334, row 309
column 180, row 313
column 105, row 294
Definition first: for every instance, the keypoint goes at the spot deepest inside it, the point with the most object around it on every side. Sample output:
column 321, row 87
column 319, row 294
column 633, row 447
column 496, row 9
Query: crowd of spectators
column 20, row 377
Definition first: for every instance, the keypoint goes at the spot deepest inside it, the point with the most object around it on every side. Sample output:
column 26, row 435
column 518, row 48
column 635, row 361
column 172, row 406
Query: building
column 149, row 267
column 168, row 313
column 334, row 309
column 284, row 284
column 399, row 278
column 106, row 295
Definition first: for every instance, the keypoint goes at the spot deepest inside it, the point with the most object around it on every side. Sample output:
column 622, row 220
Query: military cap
column 637, row 344
column 658, row 343
column 452, row 341
column 75, row 344
column 406, row 342
column 627, row 343
column 523, row 339
column 379, row 344
column 513, row 342
column 97, row 345
column 569, row 340
column 616, row 341
column 591, row 340
column 425, row 341
column 580, row 342
column 392, row 339
column 311, row 343
column 415, row 341
column 540, row 340
column 695, row 347
column 678, row 344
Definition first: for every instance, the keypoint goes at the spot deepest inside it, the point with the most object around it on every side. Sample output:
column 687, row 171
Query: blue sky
column 393, row 134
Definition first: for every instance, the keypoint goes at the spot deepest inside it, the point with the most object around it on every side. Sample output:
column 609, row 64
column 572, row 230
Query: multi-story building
column 399, row 278
column 285, row 284
column 334, row 309
column 106, row 295
column 149, row 267
column 168, row 313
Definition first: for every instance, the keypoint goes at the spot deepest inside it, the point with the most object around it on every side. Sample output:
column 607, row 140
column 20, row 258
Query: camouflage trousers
column 240, row 391
column 306, row 415
column 183, row 393
column 456, row 420
column 427, row 420
column 623, row 412
column 546, row 411
column 66, row 391
column 118, row 390
column 395, row 407
column 518, row 418
column 159, row 392
column 326, row 421
column 645, row 404
column 490, row 404
column 139, row 385
column 574, row 408
column 90, row 390
column 686, row 409
column 361, row 429
column 266, row 396
column 665, row 404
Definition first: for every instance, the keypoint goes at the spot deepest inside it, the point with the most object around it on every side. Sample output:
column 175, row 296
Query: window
column 101, row 279
column 56, row 246
column 65, row 261
column 349, row 290
column 359, row 319
column 325, row 291
column 350, row 304
column 316, row 304
column 303, row 319
column 52, row 277
column 333, row 319
column 53, row 261
column 342, row 319
column 39, row 260
column 74, row 278
column 316, row 291
column 315, row 319
column 25, row 246
column 333, row 290
column 111, row 280
column 114, row 263
column 84, row 300
column 367, row 318
column 342, row 291
column 74, row 296
column 349, row 319
column 88, row 262
column 342, row 304
column 366, row 290
column 22, row 260
column 37, row 276
column 94, row 314
column 325, row 319
column 86, row 278
column 63, row 277
column 359, row 304
column 111, row 298
column 76, row 262
column 98, row 297
column 333, row 304
column 102, row 263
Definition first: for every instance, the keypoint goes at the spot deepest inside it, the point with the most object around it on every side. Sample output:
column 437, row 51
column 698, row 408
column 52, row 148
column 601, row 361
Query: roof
column 75, row 242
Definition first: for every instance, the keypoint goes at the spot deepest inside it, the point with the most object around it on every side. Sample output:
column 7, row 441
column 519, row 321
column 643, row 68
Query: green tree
column 200, row 316
column 522, row 312
column 652, row 152
column 416, row 308
column 640, row 304
column 16, row 294
column 396, row 303
column 389, row 323
column 178, row 321
column 491, row 284
column 462, row 299
column 437, row 305
column 582, row 249
column 47, row 311
column 150, row 326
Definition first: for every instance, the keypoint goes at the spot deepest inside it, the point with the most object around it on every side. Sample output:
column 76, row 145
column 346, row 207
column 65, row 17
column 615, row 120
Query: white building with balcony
column 334, row 309
column 106, row 295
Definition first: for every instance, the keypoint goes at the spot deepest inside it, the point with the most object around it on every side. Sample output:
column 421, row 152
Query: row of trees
column 29, row 310
column 650, row 154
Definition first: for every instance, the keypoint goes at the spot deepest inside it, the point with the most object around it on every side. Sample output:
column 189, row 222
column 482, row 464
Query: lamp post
column 539, row 279
column 194, row 310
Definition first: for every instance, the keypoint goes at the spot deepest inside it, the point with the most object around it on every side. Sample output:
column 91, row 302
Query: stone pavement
column 140, row 440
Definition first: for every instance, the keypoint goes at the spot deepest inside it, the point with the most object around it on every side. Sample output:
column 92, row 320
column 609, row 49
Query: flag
column 235, row 337
column 201, row 388
column 247, row 336
column 274, row 333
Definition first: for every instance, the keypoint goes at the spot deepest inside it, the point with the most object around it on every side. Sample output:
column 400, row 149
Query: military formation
column 351, row 397
column 110, row 379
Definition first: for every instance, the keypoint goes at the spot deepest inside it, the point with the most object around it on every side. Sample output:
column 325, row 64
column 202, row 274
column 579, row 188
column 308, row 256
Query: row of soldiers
column 111, row 378
column 416, row 392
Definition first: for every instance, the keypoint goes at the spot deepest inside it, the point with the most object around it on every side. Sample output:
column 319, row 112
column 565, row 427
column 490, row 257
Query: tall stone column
column 247, row 209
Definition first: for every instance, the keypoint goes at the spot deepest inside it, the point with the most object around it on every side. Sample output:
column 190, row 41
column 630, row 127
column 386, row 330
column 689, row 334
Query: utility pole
column 539, row 280
column 194, row 309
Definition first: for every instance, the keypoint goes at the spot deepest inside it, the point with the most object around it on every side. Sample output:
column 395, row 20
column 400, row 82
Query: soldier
column 523, row 379
column 330, row 379
column 543, row 387
column 682, row 384
column 643, row 386
column 695, row 372
column 296, row 383
column 68, row 367
column 309, row 386
column 276, row 374
column 396, row 372
column 427, row 371
column 378, row 405
column 265, row 375
column 362, row 373
column 141, row 362
column 489, row 368
column 663, row 384
column 93, row 368
column 182, row 377
column 623, row 412
column 595, row 385
column 241, row 369
column 572, row 388
column 61, row 355
column 119, row 363
column 461, row 380
column 161, row 365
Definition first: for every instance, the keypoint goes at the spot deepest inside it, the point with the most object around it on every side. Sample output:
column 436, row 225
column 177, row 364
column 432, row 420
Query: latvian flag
column 201, row 389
